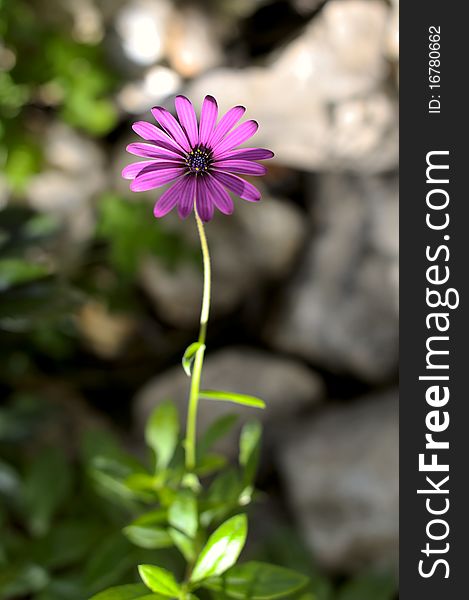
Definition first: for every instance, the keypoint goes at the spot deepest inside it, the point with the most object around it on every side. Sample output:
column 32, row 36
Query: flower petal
column 203, row 199
column 170, row 197
column 154, row 176
column 151, row 133
column 186, row 202
column 247, row 153
column 131, row 171
column 208, row 118
column 238, row 186
column 236, row 137
column 248, row 167
column 188, row 119
column 226, row 124
column 152, row 151
column 220, row 196
column 170, row 124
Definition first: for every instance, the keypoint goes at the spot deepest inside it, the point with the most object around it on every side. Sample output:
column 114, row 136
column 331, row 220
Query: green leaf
column 183, row 543
column 182, row 513
column 161, row 433
column 222, row 496
column 148, row 536
column 222, row 549
column 159, row 580
column 63, row 588
column 108, row 562
column 372, row 586
column 209, row 464
column 232, row 397
column 249, row 448
column 67, row 543
column 126, row 592
column 153, row 517
column 285, row 547
column 214, row 432
column 257, row 581
column 46, row 487
column 189, row 356
column 14, row 271
column 22, row 580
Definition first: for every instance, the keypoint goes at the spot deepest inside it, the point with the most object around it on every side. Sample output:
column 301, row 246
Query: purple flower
column 200, row 159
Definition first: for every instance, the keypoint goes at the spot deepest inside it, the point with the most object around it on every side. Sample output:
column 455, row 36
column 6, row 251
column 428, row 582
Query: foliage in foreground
column 66, row 535
column 206, row 523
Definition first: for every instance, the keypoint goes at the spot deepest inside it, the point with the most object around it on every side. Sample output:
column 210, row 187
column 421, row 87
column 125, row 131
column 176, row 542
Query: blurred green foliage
column 45, row 67
column 131, row 235
column 60, row 539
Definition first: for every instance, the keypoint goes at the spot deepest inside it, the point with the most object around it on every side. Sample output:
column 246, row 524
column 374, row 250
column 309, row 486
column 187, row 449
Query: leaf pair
column 220, row 553
column 257, row 581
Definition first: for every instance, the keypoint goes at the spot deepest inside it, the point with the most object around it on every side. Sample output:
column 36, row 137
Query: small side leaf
column 249, row 448
column 183, row 543
column 189, row 356
column 148, row 536
column 159, row 580
column 182, row 513
column 222, row 549
column 161, row 433
column 257, row 581
column 232, row 397
column 216, row 430
column 137, row 591
column 209, row 464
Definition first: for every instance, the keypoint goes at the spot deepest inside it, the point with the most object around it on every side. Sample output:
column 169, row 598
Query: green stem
column 190, row 442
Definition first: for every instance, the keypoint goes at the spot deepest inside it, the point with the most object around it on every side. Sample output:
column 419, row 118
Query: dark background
column 423, row 133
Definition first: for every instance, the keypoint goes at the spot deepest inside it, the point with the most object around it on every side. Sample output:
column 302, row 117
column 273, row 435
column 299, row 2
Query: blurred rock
column 392, row 42
column 258, row 244
column 68, row 150
column 157, row 84
column 286, row 386
column 142, row 26
column 393, row 32
column 325, row 87
column 153, row 30
column 74, row 174
column 306, row 7
column 341, row 473
column 193, row 45
column 340, row 311
column 88, row 26
column 239, row 9
column 105, row 333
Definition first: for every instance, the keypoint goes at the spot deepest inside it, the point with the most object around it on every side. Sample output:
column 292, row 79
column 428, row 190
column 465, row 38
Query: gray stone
column 259, row 243
column 341, row 473
column 285, row 385
column 142, row 26
column 74, row 175
column 153, row 88
column 322, row 100
column 340, row 310
column 193, row 44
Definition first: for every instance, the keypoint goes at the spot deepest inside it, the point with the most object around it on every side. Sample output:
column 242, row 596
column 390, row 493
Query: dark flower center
column 198, row 160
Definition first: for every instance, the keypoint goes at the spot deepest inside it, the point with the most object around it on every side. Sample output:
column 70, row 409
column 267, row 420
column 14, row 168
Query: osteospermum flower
column 200, row 159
